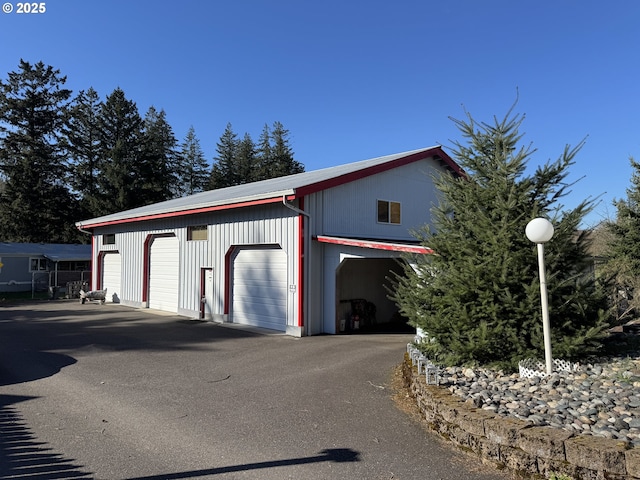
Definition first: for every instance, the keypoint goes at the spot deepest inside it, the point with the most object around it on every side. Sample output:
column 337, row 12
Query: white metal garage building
column 299, row 254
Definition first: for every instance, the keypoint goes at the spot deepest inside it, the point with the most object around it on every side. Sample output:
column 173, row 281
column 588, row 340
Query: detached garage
column 303, row 254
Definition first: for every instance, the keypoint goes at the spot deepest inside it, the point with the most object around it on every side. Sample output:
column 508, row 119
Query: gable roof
column 53, row 251
column 274, row 189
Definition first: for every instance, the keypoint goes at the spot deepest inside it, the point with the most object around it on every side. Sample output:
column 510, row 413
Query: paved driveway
column 110, row 392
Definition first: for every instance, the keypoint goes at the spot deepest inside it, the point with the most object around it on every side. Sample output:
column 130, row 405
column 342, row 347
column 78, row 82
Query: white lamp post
column 539, row 231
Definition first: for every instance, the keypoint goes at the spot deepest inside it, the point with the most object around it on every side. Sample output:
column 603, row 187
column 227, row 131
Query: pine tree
column 478, row 296
column 120, row 129
column 275, row 155
column 282, row 153
column 263, row 155
column 246, row 160
column 224, row 170
column 35, row 205
column 158, row 160
column 623, row 251
column 194, row 169
column 82, row 143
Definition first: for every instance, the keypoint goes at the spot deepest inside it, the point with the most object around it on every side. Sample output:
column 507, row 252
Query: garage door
column 259, row 288
column 163, row 274
column 112, row 276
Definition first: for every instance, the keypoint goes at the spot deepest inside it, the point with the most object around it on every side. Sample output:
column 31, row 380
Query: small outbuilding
column 304, row 254
column 37, row 266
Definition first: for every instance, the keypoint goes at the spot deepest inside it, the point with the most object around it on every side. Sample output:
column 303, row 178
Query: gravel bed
column 602, row 398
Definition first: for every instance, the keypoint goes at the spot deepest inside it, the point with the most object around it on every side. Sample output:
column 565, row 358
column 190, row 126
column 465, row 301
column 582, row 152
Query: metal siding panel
column 268, row 224
column 350, row 209
column 255, row 226
column 194, row 256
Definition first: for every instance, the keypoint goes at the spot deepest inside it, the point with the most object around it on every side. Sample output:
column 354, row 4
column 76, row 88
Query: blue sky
column 353, row 80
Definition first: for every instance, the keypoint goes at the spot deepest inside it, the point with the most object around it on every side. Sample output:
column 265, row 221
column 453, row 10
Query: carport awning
column 375, row 244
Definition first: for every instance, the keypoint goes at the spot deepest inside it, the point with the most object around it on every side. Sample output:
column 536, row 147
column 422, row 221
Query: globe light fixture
column 540, row 231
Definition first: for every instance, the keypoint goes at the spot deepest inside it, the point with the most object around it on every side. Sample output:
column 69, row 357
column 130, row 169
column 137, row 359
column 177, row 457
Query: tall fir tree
column 194, row 169
column 36, row 204
column 282, row 153
column 120, row 127
column 275, row 156
column 264, row 155
column 81, row 139
column 623, row 251
column 157, row 165
column 477, row 296
column 224, row 170
column 246, row 160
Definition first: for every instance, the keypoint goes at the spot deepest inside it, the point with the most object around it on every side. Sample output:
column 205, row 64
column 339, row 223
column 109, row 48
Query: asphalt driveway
column 110, row 392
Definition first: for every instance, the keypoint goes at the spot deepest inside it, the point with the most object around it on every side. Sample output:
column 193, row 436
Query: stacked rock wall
column 516, row 444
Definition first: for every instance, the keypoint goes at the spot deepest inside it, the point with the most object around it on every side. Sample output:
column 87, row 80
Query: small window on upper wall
column 109, row 239
column 389, row 212
column 198, row 232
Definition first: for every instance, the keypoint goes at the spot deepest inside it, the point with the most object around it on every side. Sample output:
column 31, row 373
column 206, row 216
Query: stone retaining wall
column 516, row 444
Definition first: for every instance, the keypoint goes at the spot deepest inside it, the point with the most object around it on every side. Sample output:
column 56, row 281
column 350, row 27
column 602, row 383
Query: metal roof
column 53, row 251
column 289, row 187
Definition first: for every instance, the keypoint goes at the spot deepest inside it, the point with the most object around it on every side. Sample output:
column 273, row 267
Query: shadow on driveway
column 336, row 455
column 23, row 456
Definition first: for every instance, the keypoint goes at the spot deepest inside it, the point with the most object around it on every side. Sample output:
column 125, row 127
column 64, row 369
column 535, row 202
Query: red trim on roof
column 383, row 167
column 179, row 213
column 436, row 153
column 377, row 245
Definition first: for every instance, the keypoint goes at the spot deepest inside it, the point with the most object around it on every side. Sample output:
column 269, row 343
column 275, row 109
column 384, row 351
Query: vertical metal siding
column 269, row 224
column 351, row 209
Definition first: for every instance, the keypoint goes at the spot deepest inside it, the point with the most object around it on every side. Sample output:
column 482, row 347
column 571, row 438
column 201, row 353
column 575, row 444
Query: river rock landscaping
column 600, row 398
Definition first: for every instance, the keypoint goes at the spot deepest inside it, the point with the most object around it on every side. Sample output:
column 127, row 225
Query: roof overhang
column 374, row 244
column 274, row 190
column 249, row 202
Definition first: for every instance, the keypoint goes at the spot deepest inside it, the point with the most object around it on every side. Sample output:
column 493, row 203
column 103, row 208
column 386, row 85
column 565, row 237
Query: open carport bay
column 110, row 392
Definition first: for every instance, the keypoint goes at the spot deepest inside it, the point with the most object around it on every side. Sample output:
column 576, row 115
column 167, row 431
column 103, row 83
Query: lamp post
column 539, row 231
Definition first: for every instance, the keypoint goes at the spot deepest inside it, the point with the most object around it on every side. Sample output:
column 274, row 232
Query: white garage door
column 260, row 288
column 163, row 274
column 112, row 276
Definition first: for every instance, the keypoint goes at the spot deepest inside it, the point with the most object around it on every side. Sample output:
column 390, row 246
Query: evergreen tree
column 35, row 205
column 224, row 171
column 246, row 159
column 478, row 296
column 157, row 165
column 264, row 155
column 623, row 251
column 194, row 169
column 275, row 155
column 120, row 129
column 282, row 153
column 82, row 144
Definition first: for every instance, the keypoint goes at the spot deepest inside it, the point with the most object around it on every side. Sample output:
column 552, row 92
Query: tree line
column 64, row 158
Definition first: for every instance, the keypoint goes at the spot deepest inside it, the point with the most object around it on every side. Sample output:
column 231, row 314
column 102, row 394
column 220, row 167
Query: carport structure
column 286, row 254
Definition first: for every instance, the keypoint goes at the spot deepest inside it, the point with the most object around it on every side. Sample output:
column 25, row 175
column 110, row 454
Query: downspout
column 307, row 275
column 83, row 230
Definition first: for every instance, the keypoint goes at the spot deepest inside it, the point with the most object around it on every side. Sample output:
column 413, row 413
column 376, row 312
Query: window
column 77, row 266
column 198, row 232
column 389, row 212
column 37, row 264
column 109, row 239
